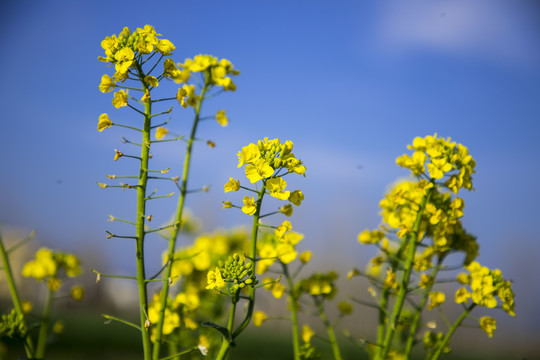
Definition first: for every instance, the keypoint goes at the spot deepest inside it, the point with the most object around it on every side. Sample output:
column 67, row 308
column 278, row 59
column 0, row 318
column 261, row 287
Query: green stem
column 44, row 327
column 176, row 229
column 398, row 306
column 383, row 311
column 294, row 312
column 451, row 332
column 253, row 255
column 225, row 345
column 140, row 233
column 28, row 345
column 416, row 318
column 329, row 328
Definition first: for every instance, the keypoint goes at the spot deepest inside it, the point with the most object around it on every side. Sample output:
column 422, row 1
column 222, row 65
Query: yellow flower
column 258, row 171
column 250, row 207
column 307, row 333
column 180, row 96
column 190, row 324
column 43, row 266
column 165, row 47
column 161, row 132
column 221, row 118
column 286, row 210
column 283, row 228
column 462, row 295
column 124, row 58
column 296, row 197
column 120, row 99
column 77, row 293
column 249, row 154
column 278, row 290
column 170, row 69
column 107, row 84
column 425, row 281
column 226, row 205
column 305, row 257
column 104, row 122
column 488, row 324
column 276, row 186
column 232, row 185
column 152, row 81
column 214, row 279
column 390, row 281
column 370, row 237
column 259, row 317
column 436, row 299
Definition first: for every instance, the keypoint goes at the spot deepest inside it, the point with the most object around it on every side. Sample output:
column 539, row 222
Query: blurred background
column 350, row 82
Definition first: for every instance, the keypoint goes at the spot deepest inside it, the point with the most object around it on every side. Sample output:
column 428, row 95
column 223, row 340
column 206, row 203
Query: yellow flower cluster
column 122, row 50
column 206, row 252
column 485, row 285
column 269, row 161
column 177, row 312
column 278, row 246
column 438, row 157
column 48, row 265
column 319, row 284
column 217, row 70
column 440, row 221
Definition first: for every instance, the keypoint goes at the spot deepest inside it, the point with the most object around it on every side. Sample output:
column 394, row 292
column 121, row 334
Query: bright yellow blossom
column 296, row 197
column 151, row 81
column 107, row 84
column 462, row 295
column 259, row 317
column 232, row 185
column 305, row 257
column 250, row 207
column 165, row 47
column 488, row 324
column 221, row 118
column 249, row 154
column 120, row 99
column 104, row 122
column 161, row 132
column 276, row 186
column 307, row 333
column 436, row 299
column 215, row 281
column 258, row 171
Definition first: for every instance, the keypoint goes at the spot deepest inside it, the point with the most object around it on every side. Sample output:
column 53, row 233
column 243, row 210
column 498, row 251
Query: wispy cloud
column 494, row 30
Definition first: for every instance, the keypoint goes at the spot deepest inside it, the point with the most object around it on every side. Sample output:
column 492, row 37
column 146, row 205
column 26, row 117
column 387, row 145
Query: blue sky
column 350, row 82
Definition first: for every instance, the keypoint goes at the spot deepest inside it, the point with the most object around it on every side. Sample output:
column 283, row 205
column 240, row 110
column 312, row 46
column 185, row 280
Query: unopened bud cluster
column 236, row 271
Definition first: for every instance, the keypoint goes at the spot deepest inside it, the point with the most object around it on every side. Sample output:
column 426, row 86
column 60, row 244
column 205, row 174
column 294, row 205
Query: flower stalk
column 177, row 220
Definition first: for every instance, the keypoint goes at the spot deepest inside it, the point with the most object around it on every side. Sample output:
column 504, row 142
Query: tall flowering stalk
column 422, row 217
column 266, row 164
column 135, row 56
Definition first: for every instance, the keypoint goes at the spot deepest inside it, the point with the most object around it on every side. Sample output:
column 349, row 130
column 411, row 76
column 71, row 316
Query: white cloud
column 487, row 29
